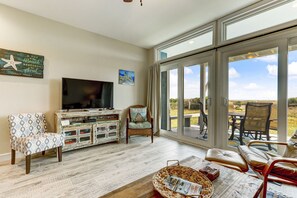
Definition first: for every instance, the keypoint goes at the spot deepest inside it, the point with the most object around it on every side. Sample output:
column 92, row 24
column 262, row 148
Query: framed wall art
column 126, row 77
column 21, row 64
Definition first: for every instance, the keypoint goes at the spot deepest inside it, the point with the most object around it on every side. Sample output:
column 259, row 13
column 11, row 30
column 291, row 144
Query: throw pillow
column 292, row 146
column 138, row 114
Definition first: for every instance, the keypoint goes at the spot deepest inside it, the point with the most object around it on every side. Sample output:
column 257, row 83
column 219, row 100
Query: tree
column 292, row 101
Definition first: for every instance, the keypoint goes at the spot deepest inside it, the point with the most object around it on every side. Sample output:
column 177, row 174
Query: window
column 252, row 77
column 194, row 40
column 257, row 19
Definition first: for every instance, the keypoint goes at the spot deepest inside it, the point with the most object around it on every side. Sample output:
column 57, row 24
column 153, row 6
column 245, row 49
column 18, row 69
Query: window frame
column 246, row 13
column 185, row 37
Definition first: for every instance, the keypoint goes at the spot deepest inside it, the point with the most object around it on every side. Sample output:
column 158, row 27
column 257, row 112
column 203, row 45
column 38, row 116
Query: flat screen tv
column 86, row 94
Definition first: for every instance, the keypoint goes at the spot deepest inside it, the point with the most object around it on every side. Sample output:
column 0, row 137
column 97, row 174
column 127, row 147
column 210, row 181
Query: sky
column 191, row 82
column 250, row 79
column 256, row 79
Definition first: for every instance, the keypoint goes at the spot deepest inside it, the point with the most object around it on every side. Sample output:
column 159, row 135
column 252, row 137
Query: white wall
column 68, row 52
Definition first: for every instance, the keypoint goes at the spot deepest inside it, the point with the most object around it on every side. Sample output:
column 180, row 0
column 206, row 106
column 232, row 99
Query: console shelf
column 88, row 128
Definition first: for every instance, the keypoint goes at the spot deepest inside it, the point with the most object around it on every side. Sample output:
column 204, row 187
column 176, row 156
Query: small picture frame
column 126, row 77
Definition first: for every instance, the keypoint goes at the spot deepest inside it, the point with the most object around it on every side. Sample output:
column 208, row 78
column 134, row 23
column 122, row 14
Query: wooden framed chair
column 28, row 136
column 280, row 169
column 267, row 167
column 139, row 122
column 256, row 120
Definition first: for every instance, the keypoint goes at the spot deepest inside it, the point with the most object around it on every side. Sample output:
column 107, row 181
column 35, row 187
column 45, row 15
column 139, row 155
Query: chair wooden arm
column 128, row 118
column 149, row 116
column 270, row 165
column 274, row 160
column 267, row 142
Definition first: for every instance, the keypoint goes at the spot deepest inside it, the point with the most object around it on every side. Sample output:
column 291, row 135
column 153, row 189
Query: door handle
column 225, row 102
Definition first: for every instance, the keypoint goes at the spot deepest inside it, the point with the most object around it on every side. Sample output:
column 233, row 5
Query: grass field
column 292, row 117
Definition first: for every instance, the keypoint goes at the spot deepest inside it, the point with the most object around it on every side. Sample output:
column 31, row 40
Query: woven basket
column 183, row 172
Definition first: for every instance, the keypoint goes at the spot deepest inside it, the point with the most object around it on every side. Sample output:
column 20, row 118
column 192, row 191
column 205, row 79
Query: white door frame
column 180, row 64
column 278, row 40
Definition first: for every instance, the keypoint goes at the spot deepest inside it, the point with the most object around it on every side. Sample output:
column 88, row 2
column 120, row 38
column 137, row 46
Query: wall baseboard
column 7, row 156
column 4, row 157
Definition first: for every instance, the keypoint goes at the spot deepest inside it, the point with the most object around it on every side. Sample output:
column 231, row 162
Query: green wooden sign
column 21, row 64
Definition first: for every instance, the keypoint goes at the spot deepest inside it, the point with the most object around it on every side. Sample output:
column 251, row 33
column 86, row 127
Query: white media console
column 84, row 128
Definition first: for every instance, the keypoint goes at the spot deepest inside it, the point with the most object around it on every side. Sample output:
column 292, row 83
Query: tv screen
column 85, row 94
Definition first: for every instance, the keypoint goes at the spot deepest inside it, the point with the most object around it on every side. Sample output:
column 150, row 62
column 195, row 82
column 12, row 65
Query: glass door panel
column 169, row 100
column 195, row 105
column 252, row 77
column 292, row 91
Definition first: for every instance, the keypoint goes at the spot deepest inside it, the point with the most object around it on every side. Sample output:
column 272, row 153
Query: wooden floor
column 91, row 172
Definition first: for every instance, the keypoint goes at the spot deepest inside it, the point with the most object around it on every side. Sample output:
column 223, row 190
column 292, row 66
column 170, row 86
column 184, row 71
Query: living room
column 74, row 48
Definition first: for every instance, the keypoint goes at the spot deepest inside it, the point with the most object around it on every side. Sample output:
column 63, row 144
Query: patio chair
column 256, row 121
column 203, row 124
column 139, row 122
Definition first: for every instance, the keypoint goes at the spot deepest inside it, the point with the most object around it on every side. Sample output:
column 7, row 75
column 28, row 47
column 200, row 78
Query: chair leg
column 28, row 164
column 240, row 137
column 268, row 139
column 264, row 190
column 12, row 156
column 43, row 152
column 152, row 136
column 59, row 152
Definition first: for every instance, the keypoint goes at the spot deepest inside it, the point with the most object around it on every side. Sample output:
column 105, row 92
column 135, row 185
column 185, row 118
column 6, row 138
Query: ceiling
column 144, row 26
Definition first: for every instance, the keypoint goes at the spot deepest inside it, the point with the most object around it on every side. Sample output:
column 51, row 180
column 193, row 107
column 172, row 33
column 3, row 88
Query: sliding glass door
column 186, row 109
column 292, row 87
column 256, row 74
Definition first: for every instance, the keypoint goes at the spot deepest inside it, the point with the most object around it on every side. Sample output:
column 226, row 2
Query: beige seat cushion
column 258, row 159
column 254, row 157
column 225, row 157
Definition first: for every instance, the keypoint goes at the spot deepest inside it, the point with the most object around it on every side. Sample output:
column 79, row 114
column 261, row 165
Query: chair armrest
column 274, row 160
column 149, row 117
column 267, row 142
column 128, row 118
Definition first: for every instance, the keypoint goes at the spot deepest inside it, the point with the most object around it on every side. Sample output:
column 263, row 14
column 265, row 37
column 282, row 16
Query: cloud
column 272, row 70
column 293, row 69
column 232, row 84
column 188, row 71
column 252, row 86
column 268, row 59
column 173, row 84
column 233, row 73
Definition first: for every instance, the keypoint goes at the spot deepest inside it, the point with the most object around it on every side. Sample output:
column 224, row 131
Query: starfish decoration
column 11, row 63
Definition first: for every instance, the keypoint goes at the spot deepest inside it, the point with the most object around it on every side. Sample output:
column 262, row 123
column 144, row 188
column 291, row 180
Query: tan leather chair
column 267, row 167
column 142, row 126
column 282, row 168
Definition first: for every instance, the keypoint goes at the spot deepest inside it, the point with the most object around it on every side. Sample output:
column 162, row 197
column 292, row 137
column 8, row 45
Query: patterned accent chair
column 139, row 122
column 28, row 136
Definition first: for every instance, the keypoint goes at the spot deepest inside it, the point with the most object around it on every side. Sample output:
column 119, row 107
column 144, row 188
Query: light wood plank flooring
column 91, row 172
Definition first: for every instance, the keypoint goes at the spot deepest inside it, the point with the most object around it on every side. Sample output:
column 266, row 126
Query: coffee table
column 230, row 183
